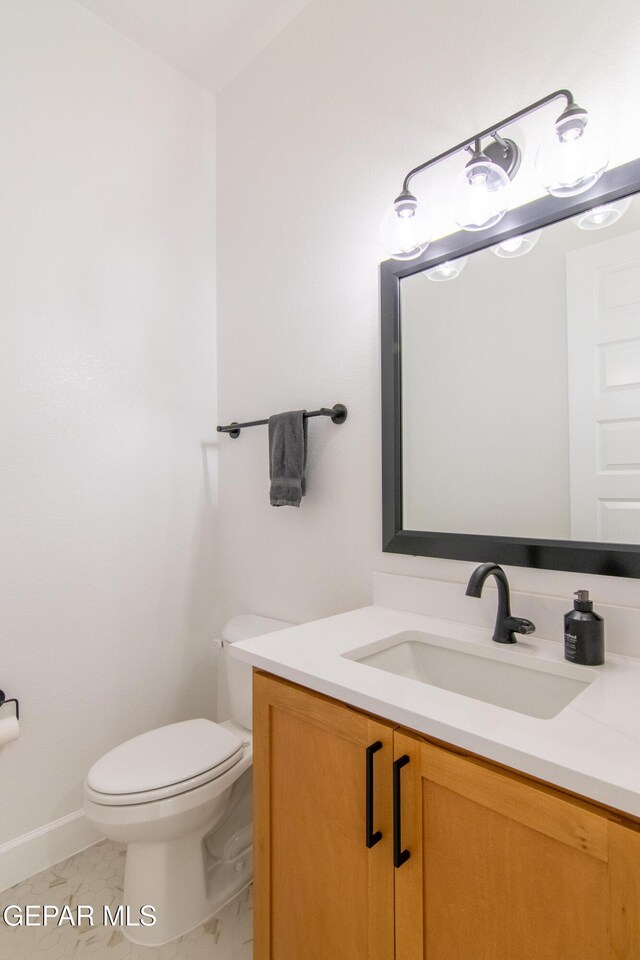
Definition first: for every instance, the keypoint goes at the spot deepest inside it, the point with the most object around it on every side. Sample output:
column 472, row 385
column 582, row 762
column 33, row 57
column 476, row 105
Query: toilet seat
column 164, row 763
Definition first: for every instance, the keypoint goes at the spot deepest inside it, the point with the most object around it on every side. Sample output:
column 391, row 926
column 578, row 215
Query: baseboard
column 42, row 848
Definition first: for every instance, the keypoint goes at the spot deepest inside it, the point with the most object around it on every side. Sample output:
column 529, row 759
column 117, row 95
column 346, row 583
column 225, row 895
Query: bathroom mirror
column 511, row 388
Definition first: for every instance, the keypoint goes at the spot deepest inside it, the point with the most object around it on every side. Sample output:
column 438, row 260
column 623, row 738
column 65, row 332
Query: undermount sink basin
column 504, row 677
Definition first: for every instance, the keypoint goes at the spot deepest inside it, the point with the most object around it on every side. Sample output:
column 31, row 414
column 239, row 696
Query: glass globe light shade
column 573, row 158
column 448, row 270
column 603, row 216
column 517, row 246
column 480, row 194
column 404, row 230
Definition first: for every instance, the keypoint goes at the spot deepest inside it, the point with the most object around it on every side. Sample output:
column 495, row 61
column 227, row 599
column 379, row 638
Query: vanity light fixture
column 481, row 192
column 404, row 231
column 517, row 246
column 573, row 157
column 569, row 162
column 448, row 270
column 603, row 216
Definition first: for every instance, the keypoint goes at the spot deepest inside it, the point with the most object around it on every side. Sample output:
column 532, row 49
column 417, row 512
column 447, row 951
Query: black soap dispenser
column 583, row 632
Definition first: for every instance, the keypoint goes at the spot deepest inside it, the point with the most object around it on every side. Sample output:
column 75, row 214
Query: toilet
column 180, row 797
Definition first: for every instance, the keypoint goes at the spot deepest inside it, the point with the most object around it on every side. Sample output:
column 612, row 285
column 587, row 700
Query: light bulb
column 574, row 157
column 603, row 216
column 517, row 246
column 480, row 194
column 404, row 231
column 448, row 270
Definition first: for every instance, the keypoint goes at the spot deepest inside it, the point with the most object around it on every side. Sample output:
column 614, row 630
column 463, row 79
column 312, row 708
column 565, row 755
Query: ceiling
column 209, row 40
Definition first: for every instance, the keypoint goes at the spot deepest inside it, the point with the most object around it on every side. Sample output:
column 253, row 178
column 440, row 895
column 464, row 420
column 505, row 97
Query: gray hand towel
column 287, row 458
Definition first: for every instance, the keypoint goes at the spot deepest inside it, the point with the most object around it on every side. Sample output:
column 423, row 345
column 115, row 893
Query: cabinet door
column 320, row 892
column 501, row 868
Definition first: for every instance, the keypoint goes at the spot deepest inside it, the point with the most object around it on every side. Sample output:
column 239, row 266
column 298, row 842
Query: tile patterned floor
column 94, row 877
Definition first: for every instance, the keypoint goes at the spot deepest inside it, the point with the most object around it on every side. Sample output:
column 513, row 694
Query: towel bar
column 338, row 414
column 4, row 700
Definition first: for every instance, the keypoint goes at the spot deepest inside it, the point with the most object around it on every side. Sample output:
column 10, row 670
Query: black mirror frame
column 613, row 560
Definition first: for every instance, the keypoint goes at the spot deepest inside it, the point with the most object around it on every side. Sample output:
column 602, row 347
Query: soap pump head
column 582, row 603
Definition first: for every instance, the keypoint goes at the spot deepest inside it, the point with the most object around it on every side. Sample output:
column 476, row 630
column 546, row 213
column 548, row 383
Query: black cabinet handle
column 400, row 856
column 371, row 838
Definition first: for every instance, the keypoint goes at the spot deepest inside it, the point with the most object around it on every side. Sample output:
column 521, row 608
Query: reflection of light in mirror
column 448, row 270
column 517, row 246
column 603, row 216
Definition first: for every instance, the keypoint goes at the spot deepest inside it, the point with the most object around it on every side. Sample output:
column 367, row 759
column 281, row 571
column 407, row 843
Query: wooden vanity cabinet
column 319, row 892
column 503, row 868
column 499, row 867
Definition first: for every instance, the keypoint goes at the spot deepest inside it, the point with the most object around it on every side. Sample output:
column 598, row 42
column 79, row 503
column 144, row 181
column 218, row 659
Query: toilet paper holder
column 4, row 700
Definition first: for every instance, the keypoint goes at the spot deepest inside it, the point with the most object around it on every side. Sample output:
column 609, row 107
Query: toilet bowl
column 179, row 796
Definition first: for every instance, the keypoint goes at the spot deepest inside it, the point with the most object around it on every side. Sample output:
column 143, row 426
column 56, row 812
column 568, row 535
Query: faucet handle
column 519, row 625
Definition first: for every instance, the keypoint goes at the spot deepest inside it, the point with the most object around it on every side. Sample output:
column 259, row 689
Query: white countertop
column 592, row 747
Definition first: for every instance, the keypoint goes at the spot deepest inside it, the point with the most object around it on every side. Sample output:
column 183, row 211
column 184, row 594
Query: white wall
column 107, row 392
column 313, row 141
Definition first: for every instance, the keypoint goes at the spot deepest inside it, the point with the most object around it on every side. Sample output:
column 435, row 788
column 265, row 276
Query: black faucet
column 506, row 625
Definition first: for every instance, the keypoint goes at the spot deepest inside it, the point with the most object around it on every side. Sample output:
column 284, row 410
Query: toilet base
column 187, row 854
column 166, row 877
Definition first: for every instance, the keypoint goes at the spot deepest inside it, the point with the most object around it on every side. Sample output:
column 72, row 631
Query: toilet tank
column 239, row 673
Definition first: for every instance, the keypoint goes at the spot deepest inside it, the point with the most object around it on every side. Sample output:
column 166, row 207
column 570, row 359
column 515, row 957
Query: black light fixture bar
column 488, row 132
column 338, row 414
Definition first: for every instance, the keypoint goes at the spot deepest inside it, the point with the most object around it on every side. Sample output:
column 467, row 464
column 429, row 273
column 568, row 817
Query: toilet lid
column 163, row 757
